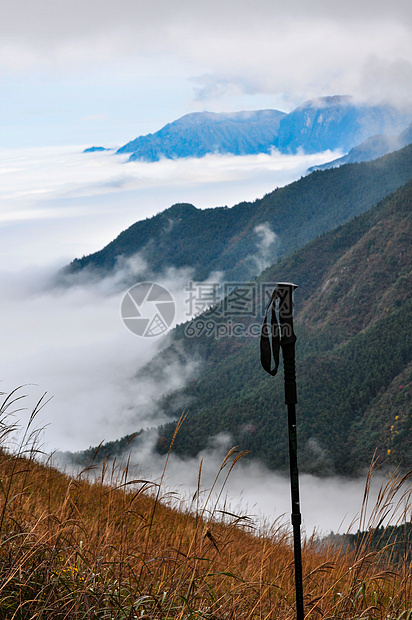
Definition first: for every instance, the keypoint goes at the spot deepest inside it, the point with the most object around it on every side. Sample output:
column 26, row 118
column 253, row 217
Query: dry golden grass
column 75, row 548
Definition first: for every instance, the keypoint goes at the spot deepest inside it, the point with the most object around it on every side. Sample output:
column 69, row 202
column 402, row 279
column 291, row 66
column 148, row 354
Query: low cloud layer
column 58, row 204
column 65, row 203
column 267, row 246
column 249, row 490
column 72, row 344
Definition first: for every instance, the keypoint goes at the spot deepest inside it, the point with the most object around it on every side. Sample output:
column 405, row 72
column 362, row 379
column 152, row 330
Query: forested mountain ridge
column 227, row 239
column 354, row 326
column 323, row 123
column 353, row 322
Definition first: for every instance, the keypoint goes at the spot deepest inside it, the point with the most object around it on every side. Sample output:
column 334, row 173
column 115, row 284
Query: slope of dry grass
column 72, row 547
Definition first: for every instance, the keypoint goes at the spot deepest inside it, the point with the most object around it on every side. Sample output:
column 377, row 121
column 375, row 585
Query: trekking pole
column 283, row 336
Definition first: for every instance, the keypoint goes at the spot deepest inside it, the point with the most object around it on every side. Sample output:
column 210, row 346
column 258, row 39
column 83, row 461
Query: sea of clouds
column 59, row 203
column 70, row 342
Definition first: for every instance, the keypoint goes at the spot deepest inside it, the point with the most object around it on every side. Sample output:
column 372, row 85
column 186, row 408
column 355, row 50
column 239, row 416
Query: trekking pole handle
column 287, row 338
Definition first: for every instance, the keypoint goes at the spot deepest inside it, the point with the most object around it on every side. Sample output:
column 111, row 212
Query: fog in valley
column 70, row 342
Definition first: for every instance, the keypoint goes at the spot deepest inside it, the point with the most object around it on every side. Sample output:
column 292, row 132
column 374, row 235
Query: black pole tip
column 288, row 284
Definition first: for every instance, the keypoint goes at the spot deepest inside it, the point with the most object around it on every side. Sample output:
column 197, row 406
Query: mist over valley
column 70, row 342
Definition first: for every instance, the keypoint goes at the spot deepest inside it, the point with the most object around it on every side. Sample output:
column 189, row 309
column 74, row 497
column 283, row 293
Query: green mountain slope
column 353, row 322
column 228, row 240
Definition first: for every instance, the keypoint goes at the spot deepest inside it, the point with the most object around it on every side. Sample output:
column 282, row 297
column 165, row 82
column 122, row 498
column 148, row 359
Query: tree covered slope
column 228, row 239
column 353, row 322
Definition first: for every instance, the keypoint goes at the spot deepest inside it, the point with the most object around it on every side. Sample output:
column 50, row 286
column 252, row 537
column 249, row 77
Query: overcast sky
column 99, row 71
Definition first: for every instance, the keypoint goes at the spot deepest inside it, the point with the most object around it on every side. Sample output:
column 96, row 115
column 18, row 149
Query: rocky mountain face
column 197, row 134
column 372, row 148
column 336, row 123
column 319, row 124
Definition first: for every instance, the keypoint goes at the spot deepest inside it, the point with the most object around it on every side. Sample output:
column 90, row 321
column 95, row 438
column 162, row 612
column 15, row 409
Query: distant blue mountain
column 335, row 123
column 200, row 133
column 94, row 149
column 370, row 149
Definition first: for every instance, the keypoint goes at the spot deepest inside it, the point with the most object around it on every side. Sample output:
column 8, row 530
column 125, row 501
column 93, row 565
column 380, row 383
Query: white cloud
column 266, row 246
column 58, row 20
column 387, row 78
column 72, row 344
column 65, row 203
column 252, row 490
column 266, row 236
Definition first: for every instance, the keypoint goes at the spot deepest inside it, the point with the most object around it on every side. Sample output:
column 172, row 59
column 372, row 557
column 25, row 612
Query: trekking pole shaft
column 296, row 516
column 290, row 400
column 288, row 339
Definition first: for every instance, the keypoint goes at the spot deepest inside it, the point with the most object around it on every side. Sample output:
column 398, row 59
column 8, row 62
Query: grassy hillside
column 223, row 239
column 107, row 547
column 353, row 322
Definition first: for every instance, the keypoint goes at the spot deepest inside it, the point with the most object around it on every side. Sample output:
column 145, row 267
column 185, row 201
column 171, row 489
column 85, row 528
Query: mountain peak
column 332, row 101
column 334, row 122
column 243, row 116
column 181, row 208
